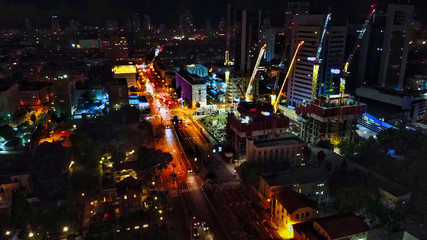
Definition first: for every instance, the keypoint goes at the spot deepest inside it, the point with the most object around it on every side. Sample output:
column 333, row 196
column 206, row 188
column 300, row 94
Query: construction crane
column 276, row 104
column 345, row 73
column 317, row 61
column 354, row 49
column 254, row 72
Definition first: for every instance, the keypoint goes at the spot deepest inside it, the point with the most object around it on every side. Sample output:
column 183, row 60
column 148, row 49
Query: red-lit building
column 254, row 120
column 319, row 119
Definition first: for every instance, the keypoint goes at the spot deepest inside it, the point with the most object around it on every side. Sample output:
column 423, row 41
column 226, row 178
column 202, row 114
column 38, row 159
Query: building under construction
column 320, row 118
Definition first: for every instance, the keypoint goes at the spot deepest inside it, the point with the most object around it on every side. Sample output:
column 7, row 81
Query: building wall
column 17, row 183
column 130, row 201
column 307, row 28
column 34, row 98
column 119, row 95
column 292, row 152
column 194, row 93
column 333, row 57
column 323, row 232
column 395, row 46
column 283, row 218
column 9, row 101
column 64, row 94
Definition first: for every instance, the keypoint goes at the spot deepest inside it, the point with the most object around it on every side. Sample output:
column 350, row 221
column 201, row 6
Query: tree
column 347, row 149
column 321, row 156
column 133, row 89
column 150, row 158
column 324, row 143
column 88, row 96
column 21, row 211
column 351, row 190
column 187, row 103
column 33, row 118
column 7, row 132
column 249, row 172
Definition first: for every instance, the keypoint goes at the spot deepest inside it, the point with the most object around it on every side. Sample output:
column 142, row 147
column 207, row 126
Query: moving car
column 196, row 223
column 195, row 232
column 205, row 226
column 190, row 170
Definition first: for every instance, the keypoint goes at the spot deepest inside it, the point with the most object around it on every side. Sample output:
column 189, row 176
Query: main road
column 230, row 208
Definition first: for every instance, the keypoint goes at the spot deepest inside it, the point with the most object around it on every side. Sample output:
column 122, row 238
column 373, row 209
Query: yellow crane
column 276, row 104
column 248, row 94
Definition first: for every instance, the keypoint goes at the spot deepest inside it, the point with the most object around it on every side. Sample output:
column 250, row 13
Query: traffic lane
column 241, row 197
column 198, row 206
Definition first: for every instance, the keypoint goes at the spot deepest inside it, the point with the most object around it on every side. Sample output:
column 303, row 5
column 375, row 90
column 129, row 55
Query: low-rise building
column 288, row 148
column 119, row 95
column 254, row 120
column 34, row 94
column 13, row 183
column 337, row 227
column 289, row 208
column 192, row 88
column 128, row 72
column 130, row 194
column 310, row 181
column 9, row 100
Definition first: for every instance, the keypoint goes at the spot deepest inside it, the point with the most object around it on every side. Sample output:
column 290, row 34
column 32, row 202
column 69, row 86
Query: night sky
column 13, row 12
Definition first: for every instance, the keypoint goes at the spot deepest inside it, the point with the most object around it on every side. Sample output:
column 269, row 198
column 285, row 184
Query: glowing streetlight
column 65, row 229
column 7, row 233
column 31, row 234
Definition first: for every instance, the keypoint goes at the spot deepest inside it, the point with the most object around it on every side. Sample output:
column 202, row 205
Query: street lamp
column 7, row 233
column 65, row 229
column 31, row 234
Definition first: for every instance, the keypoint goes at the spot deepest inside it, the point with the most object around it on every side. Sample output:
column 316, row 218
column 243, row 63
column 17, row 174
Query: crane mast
column 317, row 61
column 276, row 104
column 254, row 72
column 345, row 73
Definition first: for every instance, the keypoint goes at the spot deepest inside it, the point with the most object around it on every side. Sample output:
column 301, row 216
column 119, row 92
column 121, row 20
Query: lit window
column 125, row 197
column 134, row 196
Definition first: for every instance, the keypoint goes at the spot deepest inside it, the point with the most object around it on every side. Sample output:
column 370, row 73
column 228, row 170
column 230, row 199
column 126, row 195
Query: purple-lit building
column 192, row 88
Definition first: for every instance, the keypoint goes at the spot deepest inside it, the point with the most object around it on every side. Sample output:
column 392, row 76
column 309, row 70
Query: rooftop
column 340, row 226
column 127, row 184
column 308, row 230
column 191, row 78
column 5, row 85
column 295, row 175
column 123, row 69
column 293, row 201
column 269, row 142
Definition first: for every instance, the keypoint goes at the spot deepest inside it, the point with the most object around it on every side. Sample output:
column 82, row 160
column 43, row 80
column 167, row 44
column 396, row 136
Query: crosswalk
column 218, row 186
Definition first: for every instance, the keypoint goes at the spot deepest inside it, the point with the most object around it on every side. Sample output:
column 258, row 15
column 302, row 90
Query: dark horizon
column 98, row 11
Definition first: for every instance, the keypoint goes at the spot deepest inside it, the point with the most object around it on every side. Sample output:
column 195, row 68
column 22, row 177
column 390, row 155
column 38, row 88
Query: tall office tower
column 395, row 46
column 294, row 9
column 136, row 22
column 208, row 26
column 112, row 25
column 332, row 60
column 55, row 24
column 147, row 23
column 186, row 23
column 243, row 42
column 28, row 25
column 307, row 28
column 267, row 36
column 384, row 49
